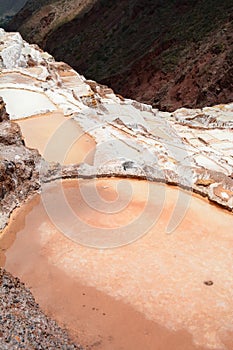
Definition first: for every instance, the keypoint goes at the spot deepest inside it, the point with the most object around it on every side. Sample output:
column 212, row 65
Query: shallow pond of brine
column 126, row 264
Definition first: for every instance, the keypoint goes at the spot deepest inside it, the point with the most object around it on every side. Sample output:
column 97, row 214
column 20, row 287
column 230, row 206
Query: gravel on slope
column 22, row 324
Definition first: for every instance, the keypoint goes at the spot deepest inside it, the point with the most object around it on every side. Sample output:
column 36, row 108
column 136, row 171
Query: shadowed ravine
column 172, row 290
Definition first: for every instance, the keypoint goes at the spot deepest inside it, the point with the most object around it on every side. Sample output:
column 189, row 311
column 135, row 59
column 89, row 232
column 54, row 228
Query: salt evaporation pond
column 25, row 103
column 58, row 138
column 159, row 291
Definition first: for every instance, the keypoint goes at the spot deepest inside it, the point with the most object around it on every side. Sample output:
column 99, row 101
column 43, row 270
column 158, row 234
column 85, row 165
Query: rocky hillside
column 9, row 8
column 38, row 19
column 166, row 53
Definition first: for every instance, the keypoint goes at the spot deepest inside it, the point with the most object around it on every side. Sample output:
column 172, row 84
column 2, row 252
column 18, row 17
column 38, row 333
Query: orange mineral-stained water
column 98, row 258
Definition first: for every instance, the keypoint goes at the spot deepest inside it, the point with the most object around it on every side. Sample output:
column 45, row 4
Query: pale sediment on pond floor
column 177, row 286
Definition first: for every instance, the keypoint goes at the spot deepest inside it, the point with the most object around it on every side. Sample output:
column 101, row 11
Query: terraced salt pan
column 163, row 290
column 17, row 78
column 186, row 146
column 58, row 138
column 174, row 291
column 25, row 103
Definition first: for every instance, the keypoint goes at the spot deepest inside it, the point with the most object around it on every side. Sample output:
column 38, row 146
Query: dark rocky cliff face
column 166, row 53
